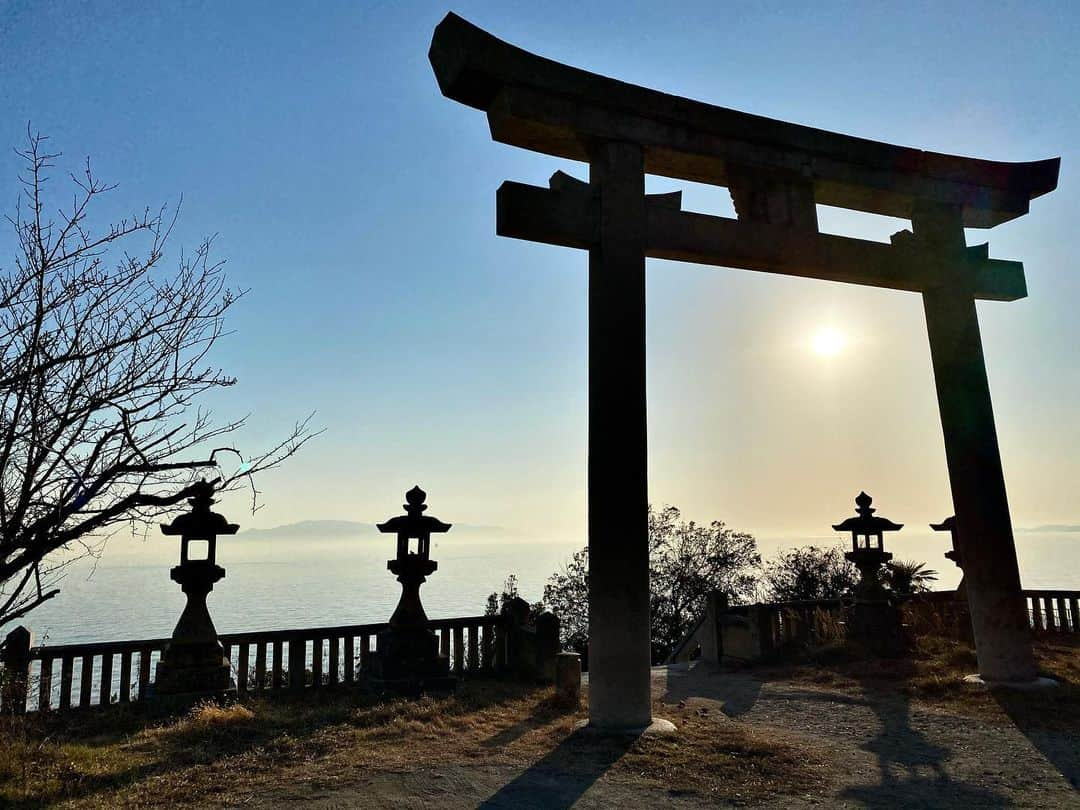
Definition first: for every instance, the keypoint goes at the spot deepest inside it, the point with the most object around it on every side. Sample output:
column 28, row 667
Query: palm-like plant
column 906, row 577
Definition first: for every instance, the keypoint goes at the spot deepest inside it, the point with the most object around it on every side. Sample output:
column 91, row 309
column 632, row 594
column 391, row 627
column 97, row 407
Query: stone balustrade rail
column 751, row 632
column 66, row 676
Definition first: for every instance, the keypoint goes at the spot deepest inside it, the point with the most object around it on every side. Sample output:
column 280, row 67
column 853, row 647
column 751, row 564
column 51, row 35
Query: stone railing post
column 712, row 639
column 297, row 663
column 531, row 649
column 519, row 644
column 16, row 673
column 547, row 645
column 568, row 677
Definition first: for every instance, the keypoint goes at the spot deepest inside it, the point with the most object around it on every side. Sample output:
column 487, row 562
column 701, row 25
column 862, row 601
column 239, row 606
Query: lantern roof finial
column 200, row 520
column 414, row 501
column 866, row 522
column 414, row 522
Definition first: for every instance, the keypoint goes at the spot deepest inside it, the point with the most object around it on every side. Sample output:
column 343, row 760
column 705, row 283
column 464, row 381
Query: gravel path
column 890, row 752
column 886, row 752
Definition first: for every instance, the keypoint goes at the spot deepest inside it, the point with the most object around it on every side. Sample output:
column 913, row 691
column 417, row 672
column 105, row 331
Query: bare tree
column 103, row 356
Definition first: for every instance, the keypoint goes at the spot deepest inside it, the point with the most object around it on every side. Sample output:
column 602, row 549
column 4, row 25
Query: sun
column 828, row 342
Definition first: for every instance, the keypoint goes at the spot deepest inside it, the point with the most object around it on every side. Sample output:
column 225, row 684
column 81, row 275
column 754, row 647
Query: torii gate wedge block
column 777, row 172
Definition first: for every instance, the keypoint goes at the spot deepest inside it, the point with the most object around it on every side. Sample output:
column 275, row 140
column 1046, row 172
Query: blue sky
column 357, row 204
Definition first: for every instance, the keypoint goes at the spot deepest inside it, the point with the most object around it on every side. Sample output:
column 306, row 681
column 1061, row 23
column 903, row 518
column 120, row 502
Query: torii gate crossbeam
column 777, row 173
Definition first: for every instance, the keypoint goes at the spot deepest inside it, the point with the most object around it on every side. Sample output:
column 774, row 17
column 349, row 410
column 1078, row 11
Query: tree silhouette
column 686, row 562
column 103, row 356
column 809, row 573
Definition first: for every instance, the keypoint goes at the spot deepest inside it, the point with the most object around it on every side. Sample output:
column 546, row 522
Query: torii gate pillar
column 618, row 501
column 984, row 528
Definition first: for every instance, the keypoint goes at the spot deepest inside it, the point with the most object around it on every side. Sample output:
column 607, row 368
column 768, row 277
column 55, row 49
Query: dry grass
column 262, row 750
column 228, row 755
column 933, row 674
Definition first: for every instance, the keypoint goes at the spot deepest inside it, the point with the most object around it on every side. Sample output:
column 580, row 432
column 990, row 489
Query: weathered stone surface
column 568, row 677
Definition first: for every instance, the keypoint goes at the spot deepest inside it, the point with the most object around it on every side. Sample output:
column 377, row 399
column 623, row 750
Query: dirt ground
column 832, row 728
column 875, row 748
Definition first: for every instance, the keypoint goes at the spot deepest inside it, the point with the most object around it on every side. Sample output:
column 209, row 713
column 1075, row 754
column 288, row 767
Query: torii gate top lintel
column 549, row 107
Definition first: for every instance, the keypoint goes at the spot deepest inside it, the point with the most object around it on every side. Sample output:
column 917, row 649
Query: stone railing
column 1054, row 610
column 742, row 633
column 42, row 678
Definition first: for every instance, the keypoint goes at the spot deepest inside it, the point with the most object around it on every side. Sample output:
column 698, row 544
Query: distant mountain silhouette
column 330, row 529
column 315, row 528
column 1053, row 527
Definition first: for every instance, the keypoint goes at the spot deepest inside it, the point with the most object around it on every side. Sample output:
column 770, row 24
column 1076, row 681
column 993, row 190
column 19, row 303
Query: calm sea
column 307, row 582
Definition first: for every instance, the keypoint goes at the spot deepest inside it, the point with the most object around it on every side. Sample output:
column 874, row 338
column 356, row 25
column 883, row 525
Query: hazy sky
column 358, row 206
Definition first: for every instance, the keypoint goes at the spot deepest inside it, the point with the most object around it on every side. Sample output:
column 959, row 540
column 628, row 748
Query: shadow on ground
column 564, row 775
column 1049, row 717
column 911, row 768
column 737, row 692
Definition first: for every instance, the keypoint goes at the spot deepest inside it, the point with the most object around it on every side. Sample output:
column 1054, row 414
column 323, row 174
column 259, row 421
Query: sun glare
column 827, row 343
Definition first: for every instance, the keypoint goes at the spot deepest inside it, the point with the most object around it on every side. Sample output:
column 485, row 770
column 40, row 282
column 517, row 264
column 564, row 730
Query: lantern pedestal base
column 194, row 666
column 192, row 672
column 407, row 662
column 878, row 625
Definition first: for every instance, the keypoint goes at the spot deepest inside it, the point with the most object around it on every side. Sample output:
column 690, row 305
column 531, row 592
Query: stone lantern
column 957, row 613
column 873, row 619
column 949, row 525
column 194, row 663
column 407, row 658
column 868, row 546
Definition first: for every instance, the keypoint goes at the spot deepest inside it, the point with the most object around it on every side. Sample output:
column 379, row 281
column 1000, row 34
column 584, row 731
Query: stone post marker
column 194, row 665
column 568, row 677
column 16, row 671
column 531, row 647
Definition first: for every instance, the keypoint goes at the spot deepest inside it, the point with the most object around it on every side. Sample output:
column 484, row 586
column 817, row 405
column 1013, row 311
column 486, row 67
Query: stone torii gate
column 776, row 172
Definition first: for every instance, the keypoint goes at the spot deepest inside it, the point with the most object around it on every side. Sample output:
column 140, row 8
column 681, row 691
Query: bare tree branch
column 104, row 357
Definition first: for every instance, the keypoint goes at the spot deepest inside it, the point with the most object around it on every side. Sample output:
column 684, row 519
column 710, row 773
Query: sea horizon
column 305, row 581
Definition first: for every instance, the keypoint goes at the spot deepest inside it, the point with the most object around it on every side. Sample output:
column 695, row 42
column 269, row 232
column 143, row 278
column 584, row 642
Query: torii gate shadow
column 911, row 768
column 562, row 777
column 899, row 747
column 1049, row 717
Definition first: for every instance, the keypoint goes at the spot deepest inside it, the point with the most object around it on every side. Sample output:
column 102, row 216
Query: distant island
column 1052, row 527
column 332, row 529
